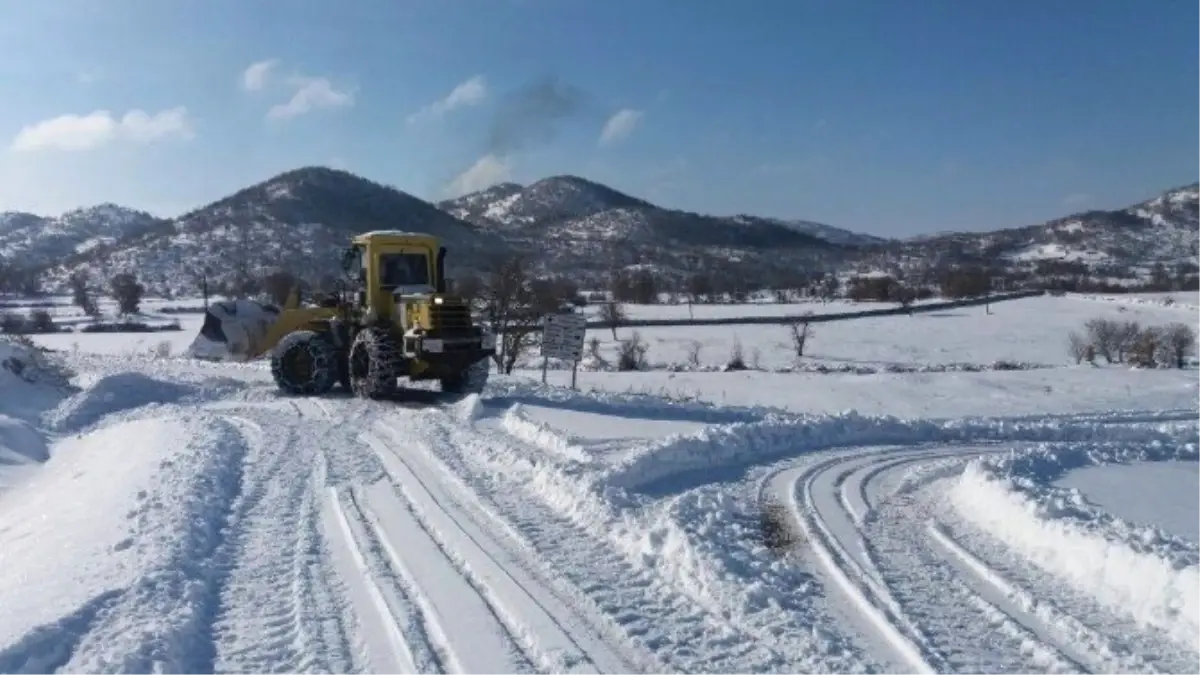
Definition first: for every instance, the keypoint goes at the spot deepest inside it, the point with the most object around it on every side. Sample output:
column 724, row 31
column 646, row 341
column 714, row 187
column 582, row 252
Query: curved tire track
column 870, row 523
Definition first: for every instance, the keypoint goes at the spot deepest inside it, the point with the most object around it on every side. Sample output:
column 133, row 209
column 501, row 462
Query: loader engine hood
column 233, row 330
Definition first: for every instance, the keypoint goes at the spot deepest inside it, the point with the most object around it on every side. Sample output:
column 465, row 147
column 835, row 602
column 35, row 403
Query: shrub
column 737, row 359
column 631, row 354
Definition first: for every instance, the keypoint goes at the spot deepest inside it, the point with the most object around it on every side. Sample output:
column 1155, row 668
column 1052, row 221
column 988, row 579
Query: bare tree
column 1078, row 347
column 278, row 286
column 40, row 321
column 1123, row 341
column 127, row 291
column 801, row 331
column 612, row 313
column 1179, row 342
column 1147, row 347
column 506, row 298
column 737, row 357
column 631, row 353
column 830, row 288
column 469, row 287
column 904, row 295
column 81, row 294
column 1104, row 335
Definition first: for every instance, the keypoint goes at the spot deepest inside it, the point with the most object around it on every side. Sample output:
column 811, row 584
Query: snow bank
column 122, row 392
column 31, row 381
column 112, row 548
column 511, row 390
column 780, row 436
column 22, row 362
column 21, row 442
column 542, row 436
column 704, row 544
column 1149, row 588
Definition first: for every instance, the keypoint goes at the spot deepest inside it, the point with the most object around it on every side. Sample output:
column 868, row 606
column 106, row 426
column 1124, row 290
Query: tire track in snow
column 680, row 632
column 1107, row 637
column 932, row 601
column 547, row 629
column 1088, row 645
column 277, row 610
column 397, row 639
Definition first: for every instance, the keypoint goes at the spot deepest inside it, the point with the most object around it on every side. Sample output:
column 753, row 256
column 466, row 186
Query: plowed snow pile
column 30, row 383
column 114, row 539
column 1140, row 570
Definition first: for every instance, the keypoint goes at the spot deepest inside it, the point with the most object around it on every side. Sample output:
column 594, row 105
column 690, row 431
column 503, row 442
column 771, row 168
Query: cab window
column 403, row 269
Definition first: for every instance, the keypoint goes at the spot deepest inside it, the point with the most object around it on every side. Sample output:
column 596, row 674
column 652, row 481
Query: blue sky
column 878, row 116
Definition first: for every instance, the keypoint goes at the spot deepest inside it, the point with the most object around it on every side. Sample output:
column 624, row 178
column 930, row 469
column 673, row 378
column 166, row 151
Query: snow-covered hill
column 1122, row 244
column 509, row 205
column 569, row 225
column 297, row 221
column 36, row 241
column 833, row 235
column 573, row 224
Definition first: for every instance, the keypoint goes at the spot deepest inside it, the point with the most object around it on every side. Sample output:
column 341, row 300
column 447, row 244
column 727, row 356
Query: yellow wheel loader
column 398, row 322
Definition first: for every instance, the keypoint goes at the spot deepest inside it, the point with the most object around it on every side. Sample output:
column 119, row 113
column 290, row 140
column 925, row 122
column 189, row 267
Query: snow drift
column 781, row 436
column 31, row 381
column 112, row 549
column 1137, row 570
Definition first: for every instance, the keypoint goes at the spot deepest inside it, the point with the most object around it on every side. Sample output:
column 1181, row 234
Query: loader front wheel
column 304, row 364
column 471, row 380
column 374, row 364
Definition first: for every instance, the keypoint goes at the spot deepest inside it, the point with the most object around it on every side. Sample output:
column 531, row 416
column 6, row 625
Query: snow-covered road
column 924, row 589
column 188, row 518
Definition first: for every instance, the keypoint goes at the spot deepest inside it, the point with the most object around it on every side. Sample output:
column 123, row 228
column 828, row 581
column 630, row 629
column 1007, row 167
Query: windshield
column 404, row 269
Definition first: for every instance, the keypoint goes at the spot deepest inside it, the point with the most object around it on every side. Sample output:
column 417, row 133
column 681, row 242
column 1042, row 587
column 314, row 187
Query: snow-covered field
column 159, row 513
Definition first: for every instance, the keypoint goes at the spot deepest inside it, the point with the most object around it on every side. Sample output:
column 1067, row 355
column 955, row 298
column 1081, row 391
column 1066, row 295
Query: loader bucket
column 233, row 330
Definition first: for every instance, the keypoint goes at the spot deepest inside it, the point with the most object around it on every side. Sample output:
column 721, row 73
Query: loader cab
column 389, row 264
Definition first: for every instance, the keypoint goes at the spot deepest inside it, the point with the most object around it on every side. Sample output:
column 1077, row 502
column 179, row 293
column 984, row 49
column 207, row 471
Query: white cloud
column 254, row 78
column 485, row 172
column 312, row 93
column 86, row 132
column 620, row 125
column 469, row 92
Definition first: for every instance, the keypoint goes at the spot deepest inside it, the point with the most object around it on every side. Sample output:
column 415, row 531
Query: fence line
column 813, row 318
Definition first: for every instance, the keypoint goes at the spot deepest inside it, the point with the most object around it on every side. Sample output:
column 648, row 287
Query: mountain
column 833, row 235
column 1123, row 244
column 36, row 241
column 572, row 224
column 298, row 221
column 552, row 199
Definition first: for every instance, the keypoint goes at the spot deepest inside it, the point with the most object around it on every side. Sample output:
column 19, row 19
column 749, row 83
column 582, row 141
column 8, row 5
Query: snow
column 919, row 511
column 1144, row 493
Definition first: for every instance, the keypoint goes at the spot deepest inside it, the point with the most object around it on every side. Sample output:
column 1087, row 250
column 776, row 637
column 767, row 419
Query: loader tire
column 304, row 363
column 374, row 364
column 472, row 380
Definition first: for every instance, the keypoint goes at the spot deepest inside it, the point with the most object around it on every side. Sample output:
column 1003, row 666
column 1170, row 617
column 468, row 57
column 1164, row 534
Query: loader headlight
column 438, row 301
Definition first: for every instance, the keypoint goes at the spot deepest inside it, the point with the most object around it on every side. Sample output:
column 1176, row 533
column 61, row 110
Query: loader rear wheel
column 304, row 363
column 374, row 364
column 472, row 380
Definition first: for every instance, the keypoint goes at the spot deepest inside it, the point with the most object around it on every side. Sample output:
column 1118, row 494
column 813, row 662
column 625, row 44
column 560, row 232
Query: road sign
column 563, row 336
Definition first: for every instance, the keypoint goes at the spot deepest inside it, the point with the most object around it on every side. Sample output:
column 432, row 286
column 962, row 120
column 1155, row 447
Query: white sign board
column 563, row 336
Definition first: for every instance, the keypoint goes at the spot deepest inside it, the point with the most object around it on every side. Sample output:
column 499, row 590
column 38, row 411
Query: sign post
column 562, row 338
